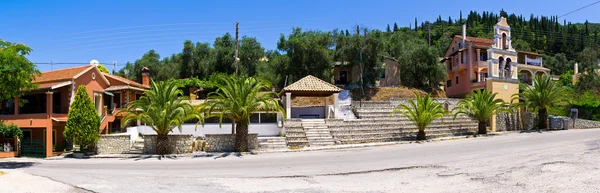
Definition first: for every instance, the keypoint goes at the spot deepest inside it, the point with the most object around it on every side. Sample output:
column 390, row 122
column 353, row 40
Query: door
column 33, row 147
column 343, row 77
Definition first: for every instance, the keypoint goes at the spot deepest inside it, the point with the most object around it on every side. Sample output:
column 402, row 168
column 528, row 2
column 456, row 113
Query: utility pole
column 362, row 91
column 237, row 34
column 237, row 59
column 114, row 66
column 428, row 33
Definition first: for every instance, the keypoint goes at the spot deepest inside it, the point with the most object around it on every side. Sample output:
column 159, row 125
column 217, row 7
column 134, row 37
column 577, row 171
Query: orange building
column 43, row 117
column 472, row 63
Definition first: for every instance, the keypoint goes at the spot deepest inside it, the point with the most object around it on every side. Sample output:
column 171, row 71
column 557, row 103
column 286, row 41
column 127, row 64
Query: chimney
column 464, row 34
column 146, row 76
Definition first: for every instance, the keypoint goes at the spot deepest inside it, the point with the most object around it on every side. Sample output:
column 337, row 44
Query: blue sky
column 121, row 31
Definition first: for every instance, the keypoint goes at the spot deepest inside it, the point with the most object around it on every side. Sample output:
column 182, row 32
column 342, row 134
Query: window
column 452, row 49
column 483, row 56
column 268, row 118
column 255, row 118
column 456, row 79
column 463, row 58
column 448, row 83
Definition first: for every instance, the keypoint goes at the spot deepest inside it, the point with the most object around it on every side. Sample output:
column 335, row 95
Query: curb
column 255, row 152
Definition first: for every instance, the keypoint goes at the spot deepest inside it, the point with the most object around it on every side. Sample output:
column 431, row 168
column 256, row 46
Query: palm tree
column 481, row 105
column 236, row 98
column 543, row 94
column 421, row 111
column 162, row 108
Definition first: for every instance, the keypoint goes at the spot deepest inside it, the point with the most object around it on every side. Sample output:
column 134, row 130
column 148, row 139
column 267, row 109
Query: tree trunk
column 162, row 144
column 542, row 118
column 241, row 137
column 482, row 128
column 421, row 135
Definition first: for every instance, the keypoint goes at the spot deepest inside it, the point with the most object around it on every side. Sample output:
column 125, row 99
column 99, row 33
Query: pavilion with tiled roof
column 311, row 86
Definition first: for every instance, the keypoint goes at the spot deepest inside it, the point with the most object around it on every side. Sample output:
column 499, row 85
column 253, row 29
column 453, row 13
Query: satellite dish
column 94, row 62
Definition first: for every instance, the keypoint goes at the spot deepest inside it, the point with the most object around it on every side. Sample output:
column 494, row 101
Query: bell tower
column 502, row 65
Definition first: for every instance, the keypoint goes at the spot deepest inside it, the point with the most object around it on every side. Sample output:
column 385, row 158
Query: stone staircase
column 271, row 143
column 295, row 135
column 137, row 147
column 317, row 132
column 375, row 123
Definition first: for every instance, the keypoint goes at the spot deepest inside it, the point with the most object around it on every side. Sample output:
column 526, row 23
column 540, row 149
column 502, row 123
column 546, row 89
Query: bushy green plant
column 162, row 108
column 481, row 105
column 10, row 130
column 421, row 111
column 545, row 94
column 236, row 98
column 83, row 121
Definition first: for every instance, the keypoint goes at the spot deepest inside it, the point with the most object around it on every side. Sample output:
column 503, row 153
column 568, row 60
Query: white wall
column 263, row 129
column 297, row 111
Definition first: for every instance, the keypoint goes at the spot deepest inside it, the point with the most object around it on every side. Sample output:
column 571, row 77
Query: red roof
column 482, row 42
column 125, row 80
column 62, row 74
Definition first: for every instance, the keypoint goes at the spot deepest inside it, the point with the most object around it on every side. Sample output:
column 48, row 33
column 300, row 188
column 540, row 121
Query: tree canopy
column 15, row 70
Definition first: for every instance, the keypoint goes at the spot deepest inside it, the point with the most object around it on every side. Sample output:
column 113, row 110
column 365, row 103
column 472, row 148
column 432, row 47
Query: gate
column 33, row 148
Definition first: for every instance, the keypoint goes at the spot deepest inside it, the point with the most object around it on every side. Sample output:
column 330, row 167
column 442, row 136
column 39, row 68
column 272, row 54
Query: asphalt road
column 557, row 161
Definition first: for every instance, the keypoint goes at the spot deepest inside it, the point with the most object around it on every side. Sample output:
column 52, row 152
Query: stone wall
column 225, row 142
column 394, row 102
column 511, row 121
column 113, row 144
column 583, row 124
column 178, row 143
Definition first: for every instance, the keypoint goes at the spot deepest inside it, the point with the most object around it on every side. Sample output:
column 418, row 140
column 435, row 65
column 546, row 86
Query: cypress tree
column 83, row 121
column 395, row 27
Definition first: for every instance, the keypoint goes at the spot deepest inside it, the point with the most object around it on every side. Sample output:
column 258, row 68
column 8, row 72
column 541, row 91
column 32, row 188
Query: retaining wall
column 113, row 144
column 178, row 143
column 225, row 142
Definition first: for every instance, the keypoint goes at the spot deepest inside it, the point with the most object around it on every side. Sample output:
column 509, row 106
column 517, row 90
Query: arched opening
column 507, row 68
column 525, row 76
column 540, row 73
column 446, row 107
column 504, row 45
column 500, row 63
column 483, row 74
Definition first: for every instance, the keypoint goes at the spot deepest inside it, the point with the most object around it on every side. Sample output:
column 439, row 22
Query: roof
column 311, row 84
column 502, row 22
column 479, row 42
column 125, row 80
column 532, row 67
column 123, row 87
column 529, row 53
column 62, row 74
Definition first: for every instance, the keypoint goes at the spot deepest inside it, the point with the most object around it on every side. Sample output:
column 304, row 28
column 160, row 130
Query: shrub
column 11, row 130
column 83, row 121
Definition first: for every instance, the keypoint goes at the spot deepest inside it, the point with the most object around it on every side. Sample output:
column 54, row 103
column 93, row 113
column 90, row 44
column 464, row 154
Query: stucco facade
column 471, row 62
column 45, row 114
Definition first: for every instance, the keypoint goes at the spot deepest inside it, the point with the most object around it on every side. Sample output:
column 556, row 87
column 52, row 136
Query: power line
column 165, row 29
column 173, row 24
column 579, row 9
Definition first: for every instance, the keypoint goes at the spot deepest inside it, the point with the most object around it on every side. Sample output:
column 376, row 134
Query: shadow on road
column 540, row 130
column 16, row 165
column 227, row 154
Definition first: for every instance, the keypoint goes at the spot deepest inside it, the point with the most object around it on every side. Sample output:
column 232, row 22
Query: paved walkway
column 557, row 161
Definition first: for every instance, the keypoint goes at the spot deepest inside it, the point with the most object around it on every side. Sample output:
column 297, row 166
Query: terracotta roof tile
column 125, row 80
column 311, row 83
column 62, row 74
